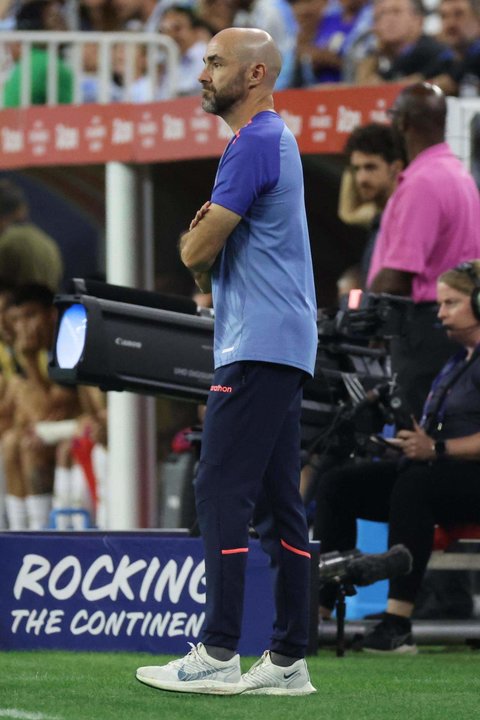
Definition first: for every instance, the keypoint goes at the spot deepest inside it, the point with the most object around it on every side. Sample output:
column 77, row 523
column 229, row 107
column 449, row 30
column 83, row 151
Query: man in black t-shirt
column 460, row 30
column 403, row 51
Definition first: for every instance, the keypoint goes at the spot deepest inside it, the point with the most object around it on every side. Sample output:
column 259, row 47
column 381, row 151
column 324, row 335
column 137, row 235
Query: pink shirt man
column 431, row 222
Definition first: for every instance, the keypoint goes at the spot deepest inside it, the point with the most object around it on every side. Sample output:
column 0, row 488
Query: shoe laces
column 192, row 656
column 259, row 664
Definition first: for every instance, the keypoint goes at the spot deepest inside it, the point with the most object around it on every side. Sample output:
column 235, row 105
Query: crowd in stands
column 321, row 41
column 52, row 438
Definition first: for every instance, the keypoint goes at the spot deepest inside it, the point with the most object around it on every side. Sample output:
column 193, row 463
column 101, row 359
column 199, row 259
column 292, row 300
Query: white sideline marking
column 24, row 715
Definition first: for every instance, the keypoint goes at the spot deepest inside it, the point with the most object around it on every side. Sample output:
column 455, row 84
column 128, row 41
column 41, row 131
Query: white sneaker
column 197, row 672
column 265, row 678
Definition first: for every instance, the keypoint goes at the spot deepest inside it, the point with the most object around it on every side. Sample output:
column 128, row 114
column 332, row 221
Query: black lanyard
column 434, row 408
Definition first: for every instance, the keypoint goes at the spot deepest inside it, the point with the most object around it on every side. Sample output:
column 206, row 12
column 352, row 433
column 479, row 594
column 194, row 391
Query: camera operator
column 435, row 479
column 430, row 223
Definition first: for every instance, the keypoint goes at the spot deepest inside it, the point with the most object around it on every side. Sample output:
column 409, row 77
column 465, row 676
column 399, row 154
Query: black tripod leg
column 340, row 607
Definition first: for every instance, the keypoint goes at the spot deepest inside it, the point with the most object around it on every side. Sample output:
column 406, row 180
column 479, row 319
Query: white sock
column 62, row 522
column 100, row 468
column 62, row 488
column 81, row 495
column 80, row 521
column 16, row 512
column 38, row 510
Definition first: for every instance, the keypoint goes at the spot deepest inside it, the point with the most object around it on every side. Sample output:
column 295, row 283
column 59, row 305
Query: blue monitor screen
column 71, row 336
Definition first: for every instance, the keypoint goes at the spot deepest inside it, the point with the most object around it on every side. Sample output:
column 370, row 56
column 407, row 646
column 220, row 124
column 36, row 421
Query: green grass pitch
column 438, row 683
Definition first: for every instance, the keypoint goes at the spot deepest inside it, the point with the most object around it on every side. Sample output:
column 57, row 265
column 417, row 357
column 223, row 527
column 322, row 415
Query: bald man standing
column 249, row 244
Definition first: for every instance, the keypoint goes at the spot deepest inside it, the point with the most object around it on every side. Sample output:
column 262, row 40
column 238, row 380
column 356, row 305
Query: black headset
column 469, row 269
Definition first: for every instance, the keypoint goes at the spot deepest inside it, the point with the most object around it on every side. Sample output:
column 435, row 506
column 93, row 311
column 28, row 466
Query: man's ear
column 257, row 74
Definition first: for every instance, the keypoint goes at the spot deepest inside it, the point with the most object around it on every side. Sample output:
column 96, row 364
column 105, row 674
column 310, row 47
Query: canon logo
column 128, row 343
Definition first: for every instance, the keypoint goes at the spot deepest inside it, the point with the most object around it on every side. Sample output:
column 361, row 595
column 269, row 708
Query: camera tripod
column 344, row 590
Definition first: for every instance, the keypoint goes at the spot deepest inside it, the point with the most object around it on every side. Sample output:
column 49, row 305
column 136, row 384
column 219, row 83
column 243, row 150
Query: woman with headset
column 436, row 479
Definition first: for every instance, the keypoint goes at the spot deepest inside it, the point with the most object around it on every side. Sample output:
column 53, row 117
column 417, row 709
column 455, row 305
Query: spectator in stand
column 403, row 51
column 27, row 254
column 7, row 15
column 376, row 156
column 276, row 18
column 461, row 30
column 359, row 42
column 37, row 15
column 80, row 478
column 217, row 14
column 141, row 88
column 324, row 35
column 460, row 24
column 97, row 15
column 308, row 15
column 180, row 23
column 8, row 363
column 138, row 15
column 8, row 368
column 29, row 463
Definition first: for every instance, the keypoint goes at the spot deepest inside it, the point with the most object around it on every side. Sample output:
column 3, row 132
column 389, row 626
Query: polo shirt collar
column 434, row 151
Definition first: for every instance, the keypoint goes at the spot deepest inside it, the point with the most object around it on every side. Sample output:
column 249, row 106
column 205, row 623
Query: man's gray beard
column 209, row 105
column 217, row 106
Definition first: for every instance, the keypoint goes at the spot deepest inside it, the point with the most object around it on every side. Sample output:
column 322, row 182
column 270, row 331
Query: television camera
column 353, row 394
column 350, row 568
column 122, row 338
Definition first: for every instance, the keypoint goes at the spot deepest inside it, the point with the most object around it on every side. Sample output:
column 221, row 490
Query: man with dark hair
column 37, row 15
column 431, row 223
column 180, row 23
column 325, row 35
column 403, row 51
column 27, row 254
column 140, row 15
column 460, row 24
column 461, row 30
column 376, row 156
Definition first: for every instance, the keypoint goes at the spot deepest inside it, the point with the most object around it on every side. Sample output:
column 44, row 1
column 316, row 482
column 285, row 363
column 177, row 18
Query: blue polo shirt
column 263, row 288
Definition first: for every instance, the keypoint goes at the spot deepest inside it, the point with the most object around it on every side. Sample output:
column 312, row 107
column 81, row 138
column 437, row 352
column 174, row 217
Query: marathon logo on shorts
column 221, row 388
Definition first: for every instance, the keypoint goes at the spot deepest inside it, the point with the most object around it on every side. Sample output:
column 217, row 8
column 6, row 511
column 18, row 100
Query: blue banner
column 142, row 592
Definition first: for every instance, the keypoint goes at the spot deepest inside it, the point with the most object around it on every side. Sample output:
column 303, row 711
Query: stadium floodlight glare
column 119, row 338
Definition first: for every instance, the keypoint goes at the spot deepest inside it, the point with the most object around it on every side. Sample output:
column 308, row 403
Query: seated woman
column 436, row 479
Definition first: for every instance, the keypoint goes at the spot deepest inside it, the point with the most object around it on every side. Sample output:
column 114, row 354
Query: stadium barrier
column 125, row 591
column 159, row 50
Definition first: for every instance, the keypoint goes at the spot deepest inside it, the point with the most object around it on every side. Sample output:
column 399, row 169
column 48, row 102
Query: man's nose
column 204, row 76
